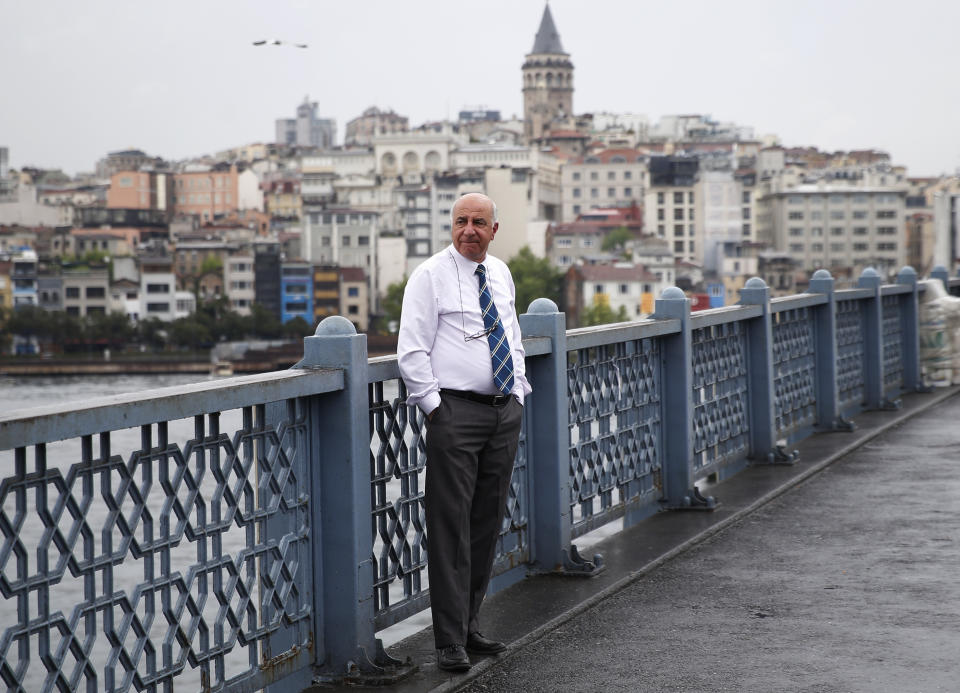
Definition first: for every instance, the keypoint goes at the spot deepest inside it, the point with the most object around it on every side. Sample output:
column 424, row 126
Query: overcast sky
column 179, row 79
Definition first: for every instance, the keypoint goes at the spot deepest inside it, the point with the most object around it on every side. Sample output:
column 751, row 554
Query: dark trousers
column 470, row 451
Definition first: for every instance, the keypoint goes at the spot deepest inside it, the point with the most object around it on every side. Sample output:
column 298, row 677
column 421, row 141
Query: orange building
column 139, row 190
column 207, row 194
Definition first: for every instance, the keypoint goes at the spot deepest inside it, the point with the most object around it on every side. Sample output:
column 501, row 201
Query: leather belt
column 492, row 400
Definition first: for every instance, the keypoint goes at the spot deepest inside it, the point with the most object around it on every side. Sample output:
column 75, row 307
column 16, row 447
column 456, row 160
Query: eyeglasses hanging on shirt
column 482, row 334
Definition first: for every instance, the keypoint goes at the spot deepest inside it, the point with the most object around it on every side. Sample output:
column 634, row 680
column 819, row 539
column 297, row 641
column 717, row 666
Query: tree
column 390, row 306
column 616, row 239
column 535, row 278
column 296, row 328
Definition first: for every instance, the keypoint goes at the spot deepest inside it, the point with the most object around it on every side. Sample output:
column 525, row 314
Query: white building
column 238, row 278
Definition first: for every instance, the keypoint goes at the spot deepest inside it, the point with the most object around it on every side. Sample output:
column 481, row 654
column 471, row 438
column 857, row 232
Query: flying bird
column 278, row 42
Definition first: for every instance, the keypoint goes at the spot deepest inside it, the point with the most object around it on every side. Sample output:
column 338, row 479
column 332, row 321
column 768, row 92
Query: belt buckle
column 500, row 399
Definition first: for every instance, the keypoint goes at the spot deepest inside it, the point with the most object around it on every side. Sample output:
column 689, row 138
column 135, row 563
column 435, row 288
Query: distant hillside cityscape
column 599, row 211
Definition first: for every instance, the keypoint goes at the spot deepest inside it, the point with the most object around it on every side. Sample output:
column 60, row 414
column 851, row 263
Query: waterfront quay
column 267, row 531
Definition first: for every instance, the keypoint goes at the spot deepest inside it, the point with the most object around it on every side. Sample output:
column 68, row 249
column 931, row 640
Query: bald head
column 474, row 224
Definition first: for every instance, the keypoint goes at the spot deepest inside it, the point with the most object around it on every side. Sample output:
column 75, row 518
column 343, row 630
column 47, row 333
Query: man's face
column 473, row 226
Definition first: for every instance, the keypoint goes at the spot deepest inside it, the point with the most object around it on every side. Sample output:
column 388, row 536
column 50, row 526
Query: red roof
column 353, row 274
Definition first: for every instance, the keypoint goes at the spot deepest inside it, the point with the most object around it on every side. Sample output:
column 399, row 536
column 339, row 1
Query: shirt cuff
column 430, row 402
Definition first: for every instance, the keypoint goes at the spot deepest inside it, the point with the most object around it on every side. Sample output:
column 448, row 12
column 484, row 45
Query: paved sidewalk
column 851, row 582
column 839, row 573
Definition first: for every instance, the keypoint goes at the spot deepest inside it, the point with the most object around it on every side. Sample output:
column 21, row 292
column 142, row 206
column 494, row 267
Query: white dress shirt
column 441, row 304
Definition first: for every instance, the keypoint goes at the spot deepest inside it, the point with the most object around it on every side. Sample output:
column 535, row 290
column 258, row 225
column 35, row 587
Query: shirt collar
column 464, row 262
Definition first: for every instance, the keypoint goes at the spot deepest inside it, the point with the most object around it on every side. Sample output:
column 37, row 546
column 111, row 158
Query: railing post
column 873, row 342
column 910, row 329
column 760, row 377
column 940, row 272
column 677, row 405
column 825, row 353
column 340, row 509
column 548, row 446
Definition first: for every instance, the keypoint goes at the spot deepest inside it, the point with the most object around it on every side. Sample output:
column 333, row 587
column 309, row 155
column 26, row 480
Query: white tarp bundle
column 939, row 335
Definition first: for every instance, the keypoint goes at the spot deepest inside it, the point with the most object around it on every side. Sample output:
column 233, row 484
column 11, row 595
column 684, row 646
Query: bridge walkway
column 838, row 573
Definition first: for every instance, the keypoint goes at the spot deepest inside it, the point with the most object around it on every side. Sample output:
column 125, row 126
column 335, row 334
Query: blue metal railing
column 256, row 532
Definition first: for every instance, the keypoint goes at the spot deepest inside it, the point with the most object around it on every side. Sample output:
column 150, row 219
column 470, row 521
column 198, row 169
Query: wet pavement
column 839, row 573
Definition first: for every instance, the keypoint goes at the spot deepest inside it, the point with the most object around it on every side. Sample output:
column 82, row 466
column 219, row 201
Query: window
column 796, row 247
column 586, row 242
column 158, row 288
column 345, row 241
column 678, row 246
column 353, row 291
column 837, row 247
column 363, row 240
column 886, row 230
column 576, row 210
column 661, row 229
column 624, row 289
column 816, row 215
column 158, row 307
column 628, row 192
column 817, row 247
column 678, row 212
column 886, row 246
column 836, row 230
column 564, row 242
column 746, row 229
column 859, row 214
column 593, row 175
column 678, row 198
column 690, row 199
column 576, row 192
column 795, row 215
column 611, row 192
column 795, row 199
column 886, row 214
column 598, row 288
column 353, row 310
column 745, row 213
column 576, row 175
column 836, row 199
column 796, row 230
column 816, row 231
column 659, row 198
column 661, row 213
column 836, row 214
column 859, row 230
column 678, row 229
column 96, row 292
column 296, row 307
column 593, row 192
column 860, row 199
column 611, row 175
column 745, row 197
column 627, row 175
column 861, row 247
column 72, row 292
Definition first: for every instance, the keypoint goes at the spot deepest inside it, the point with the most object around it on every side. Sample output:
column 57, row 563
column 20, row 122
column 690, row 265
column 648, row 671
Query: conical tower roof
column 548, row 39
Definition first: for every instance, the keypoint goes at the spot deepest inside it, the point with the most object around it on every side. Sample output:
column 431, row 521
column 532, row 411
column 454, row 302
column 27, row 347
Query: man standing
column 461, row 357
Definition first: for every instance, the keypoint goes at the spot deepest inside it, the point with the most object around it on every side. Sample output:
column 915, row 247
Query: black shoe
column 478, row 644
column 453, row 658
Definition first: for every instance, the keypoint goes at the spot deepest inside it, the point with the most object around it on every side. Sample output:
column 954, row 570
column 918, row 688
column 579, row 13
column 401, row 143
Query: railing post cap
column 542, row 305
column 908, row 270
column 940, row 269
column 869, row 272
column 672, row 293
column 335, row 326
column 822, row 274
column 755, row 283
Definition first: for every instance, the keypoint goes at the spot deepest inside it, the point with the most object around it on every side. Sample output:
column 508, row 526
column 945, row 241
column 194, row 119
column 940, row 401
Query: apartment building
column 622, row 285
column 840, row 226
column 374, row 122
column 141, row 190
column 670, row 205
column 296, row 291
column 609, row 178
column 86, row 291
column 238, row 282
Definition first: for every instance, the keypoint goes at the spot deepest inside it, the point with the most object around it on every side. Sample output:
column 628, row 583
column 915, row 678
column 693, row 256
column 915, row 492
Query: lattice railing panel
column 148, row 568
column 892, row 343
column 398, row 462
column 720, row 415
column 850, row 352
column 794, row 370
column 614, row 398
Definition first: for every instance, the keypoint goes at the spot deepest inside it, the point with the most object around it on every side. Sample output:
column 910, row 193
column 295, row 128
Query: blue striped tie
column 499, row 346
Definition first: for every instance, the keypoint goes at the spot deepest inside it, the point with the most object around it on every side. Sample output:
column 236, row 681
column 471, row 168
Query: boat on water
column 221, row 368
